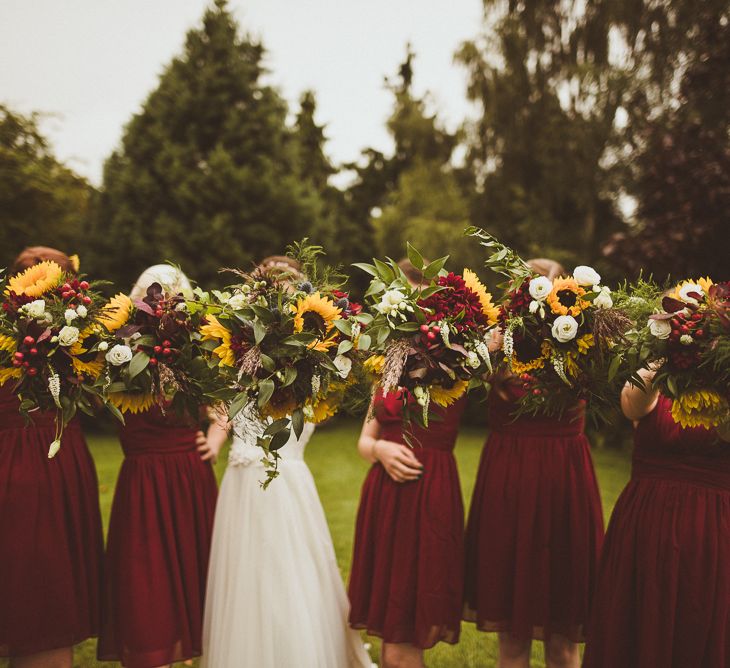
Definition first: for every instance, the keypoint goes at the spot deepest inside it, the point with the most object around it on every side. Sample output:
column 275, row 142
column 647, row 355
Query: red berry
column 166, row 344
column 436, row 329
column 424, row 328
column 700, row 333
column 28, row 340
column 65, row 294
column 84, row 285
column 19, row 356
column 32, row 371
column 158, row 312
column 66, row 287
column 33, row 351
column 430, row 336
column 157, row 349
column 26, row 364
column 153, row 361
column 676, row 322
column 684, row 329
column 17, row 363
column 166, row 352
column 537, row 391
column 86, row 300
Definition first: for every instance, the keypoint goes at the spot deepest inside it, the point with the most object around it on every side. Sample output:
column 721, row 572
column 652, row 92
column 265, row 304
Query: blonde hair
column 546, row 267
column 170, row 278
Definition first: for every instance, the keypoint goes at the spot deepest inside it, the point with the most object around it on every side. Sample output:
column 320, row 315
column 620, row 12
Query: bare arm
column 215, row 438
column 397, row 459
column 637, row 402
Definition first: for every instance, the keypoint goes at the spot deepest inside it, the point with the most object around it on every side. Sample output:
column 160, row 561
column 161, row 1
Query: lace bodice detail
column 248, row 425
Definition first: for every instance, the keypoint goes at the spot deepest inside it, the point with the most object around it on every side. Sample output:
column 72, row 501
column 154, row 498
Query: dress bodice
column 248, row 426
column 153, row 432
column 11, row 418
column 441, row 431
column 665, row 449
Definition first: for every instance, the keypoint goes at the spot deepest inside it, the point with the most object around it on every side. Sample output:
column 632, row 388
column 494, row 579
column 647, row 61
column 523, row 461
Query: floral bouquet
column 430, row 340
column 687, row 339
column 153, row 354
column 558, row 335
column 50, row 346
column 285, row 341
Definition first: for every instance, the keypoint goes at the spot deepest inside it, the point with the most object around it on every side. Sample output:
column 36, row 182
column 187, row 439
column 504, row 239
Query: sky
column 88, row 65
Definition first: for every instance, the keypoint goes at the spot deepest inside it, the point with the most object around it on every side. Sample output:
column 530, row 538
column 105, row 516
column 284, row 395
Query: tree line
column 602, row 137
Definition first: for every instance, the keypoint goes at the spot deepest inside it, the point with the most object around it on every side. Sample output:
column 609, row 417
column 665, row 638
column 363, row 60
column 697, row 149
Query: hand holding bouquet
column 50, row 343
column 430, row 339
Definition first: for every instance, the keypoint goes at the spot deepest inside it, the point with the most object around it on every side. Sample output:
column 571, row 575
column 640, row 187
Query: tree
column 548, row 96
column 42, row 202
column 206, row 174
column 677, row 140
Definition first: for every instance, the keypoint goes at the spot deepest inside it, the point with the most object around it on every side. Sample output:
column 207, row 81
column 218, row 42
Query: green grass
column 339, row 473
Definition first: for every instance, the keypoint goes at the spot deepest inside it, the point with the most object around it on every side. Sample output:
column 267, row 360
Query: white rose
column 36, row 309
column 238, row 301
column 660, row 328
column 585, row 275
column 81, row 310
column 540, row 288
column 390, row 301
column 565, row 328
column 70, row 315
column 343, row 364
column 103, row 346
column 686, row 289
column 68, row 335
column 603, row 299
column 119, row 354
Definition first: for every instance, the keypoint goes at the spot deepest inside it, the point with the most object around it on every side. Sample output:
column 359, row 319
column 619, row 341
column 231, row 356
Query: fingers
column 200, row 438
column 401, row 472
column 407, row 456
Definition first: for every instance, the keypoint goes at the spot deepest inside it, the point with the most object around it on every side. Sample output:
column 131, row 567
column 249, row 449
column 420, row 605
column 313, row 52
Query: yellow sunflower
column 317, row 314
column 214, row 331
column 444, row 397
column 10, row 372
column 585, row 343
column 8, row 343
column 374, row 364
column 131, row 402
column 565, row 298
column 116, row 313
column 518, row 366
column 323, row 410
column 92, row 367
column 475, row 285
column 702, row 408
column 281, row 405
column 36, row 280
column 704, row 283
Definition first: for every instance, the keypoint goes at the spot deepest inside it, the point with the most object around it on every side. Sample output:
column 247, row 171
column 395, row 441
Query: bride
column 275, row 596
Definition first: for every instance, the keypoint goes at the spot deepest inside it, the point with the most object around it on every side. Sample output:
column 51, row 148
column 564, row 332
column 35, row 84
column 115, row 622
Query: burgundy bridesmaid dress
column 406, row 582
column 535, row 525
column 158, row 544
column 663, row 593
column 51, row 541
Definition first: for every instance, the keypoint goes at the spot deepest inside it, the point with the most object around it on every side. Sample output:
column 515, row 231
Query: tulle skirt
column 275, row 595
column 50, row 538
column 663, row 594
column 156, row 560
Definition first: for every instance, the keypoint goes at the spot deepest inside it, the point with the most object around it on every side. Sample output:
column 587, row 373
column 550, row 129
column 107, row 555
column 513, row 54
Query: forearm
column 638, row 401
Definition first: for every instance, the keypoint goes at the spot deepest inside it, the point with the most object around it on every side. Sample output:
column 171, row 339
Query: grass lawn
column 339, row 473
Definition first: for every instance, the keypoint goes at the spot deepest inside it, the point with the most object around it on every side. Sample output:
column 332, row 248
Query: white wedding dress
column 275, row 597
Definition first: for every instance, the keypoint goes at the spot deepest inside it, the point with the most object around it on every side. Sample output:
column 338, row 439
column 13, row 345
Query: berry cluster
column 688, row 330
column 74, row 292
column 29, row 356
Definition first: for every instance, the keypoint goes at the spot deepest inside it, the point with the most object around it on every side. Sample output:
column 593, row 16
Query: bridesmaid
column 535, row 528
column 406, row 581
column 663, row 593
column 50, row 529
column 159, row 532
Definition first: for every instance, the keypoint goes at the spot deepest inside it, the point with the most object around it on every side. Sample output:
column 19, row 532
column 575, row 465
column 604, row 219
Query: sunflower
column 702, row 408
column 214, row 331
column 324, row 409
column 10, row 372
column 281, row 405
column 36, row 280
column 8, row 343
column 704, row 283
column 374, row 364
column 316, row 314
column 585, row 343
column 444, row 397
column 131, row 402
column 565, row 298
column 91, row 367
column 475, row 285
column 528, row 356
column 116, row 313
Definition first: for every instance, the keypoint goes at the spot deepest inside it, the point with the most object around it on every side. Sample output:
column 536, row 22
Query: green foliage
column 42, row 202
column 207, row 174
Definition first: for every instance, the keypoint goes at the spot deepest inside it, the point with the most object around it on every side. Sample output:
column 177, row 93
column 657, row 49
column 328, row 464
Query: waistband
column 714, row 474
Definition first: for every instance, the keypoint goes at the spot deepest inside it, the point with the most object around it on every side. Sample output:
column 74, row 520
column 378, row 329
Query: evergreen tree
column 206, row 174
column 42, row 202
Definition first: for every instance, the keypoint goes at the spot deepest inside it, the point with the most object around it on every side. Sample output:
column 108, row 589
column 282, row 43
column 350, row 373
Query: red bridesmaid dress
column 535, row 525
column 663, row 594
column 158, row 544
column 406, row 581
column 51, row 543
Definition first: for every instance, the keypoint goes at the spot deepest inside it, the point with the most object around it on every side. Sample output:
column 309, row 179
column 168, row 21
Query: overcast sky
column 91, row 63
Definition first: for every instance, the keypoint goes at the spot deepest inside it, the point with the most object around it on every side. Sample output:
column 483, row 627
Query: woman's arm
column 637, row 402
column 397, row 459
column 217, row 435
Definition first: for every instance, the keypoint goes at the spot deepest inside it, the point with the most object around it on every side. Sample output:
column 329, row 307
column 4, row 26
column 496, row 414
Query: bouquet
column 687, row 340
column 153, row 354
column 50, row 344
column 558, row 335
column 429, row 340
column 285, row 342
